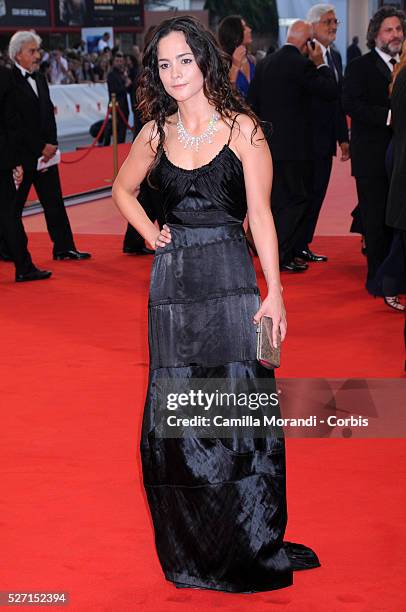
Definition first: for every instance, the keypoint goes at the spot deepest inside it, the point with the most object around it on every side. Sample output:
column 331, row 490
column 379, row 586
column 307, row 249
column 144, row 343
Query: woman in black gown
column 218, row 506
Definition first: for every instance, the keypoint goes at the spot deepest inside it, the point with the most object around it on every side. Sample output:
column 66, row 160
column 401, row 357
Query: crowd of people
column 303, row 100
column 62, row 66
column 300, row 92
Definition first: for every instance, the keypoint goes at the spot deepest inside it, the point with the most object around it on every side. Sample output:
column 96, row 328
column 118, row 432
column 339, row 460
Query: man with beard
column 366, row 100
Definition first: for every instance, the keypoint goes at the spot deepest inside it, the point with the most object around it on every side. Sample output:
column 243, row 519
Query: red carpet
column 89, row 174
column 74, row 372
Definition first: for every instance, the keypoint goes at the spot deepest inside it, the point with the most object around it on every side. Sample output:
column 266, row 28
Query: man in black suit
column 366, row 100
column 119, row 84
column 329, row 123
column 353, row 51
column 281, row 94
column 36, row 115
column 11, row 174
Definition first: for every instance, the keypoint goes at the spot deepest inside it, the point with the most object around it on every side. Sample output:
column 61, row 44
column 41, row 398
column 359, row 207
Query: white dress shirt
column 30, row 81
column 324, row 50
column 102, row 44
column 387, row 59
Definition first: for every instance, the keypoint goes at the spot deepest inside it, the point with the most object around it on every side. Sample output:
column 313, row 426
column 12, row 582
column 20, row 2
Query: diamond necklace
column 194, row 142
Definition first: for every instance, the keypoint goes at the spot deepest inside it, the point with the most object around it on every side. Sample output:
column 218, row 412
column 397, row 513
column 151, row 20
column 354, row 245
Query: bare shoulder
column 247, row 133
column 148, row 135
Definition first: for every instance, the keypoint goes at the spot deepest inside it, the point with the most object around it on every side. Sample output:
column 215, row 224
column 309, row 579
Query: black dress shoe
column 142, row 251
column 308, row 255
column 34, row 275
column 71, row 254
column 293, row 267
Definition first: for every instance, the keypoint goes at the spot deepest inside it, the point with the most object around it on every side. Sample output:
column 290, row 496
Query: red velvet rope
column 124, row 118
column 94, row 143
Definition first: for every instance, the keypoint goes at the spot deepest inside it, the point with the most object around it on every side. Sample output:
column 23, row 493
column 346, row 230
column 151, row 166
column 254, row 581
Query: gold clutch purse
column 267, row 354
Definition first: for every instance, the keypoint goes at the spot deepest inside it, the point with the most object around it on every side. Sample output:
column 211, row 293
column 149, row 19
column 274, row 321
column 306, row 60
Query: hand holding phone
column 315, row 52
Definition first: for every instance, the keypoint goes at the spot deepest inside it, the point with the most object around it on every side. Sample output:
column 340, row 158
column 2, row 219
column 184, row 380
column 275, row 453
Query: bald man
column 281, row 94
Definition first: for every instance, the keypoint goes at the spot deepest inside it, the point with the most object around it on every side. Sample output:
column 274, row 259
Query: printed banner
column 88, row 13
column 30, row 13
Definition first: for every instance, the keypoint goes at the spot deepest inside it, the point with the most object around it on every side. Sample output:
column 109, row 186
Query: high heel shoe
column 393, row 302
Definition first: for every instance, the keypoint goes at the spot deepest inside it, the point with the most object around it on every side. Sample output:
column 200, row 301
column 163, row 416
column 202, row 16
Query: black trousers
column 121, row 130
column 12, row 228
column 372, row 195
column 48, row 188
column 291, row 188
column 321, row 179
column 390, row 278
column 356, row 224
column 151, row 201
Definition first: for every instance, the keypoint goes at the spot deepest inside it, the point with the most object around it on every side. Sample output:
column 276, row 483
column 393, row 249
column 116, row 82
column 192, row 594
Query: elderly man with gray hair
column 329, row 121
column 281, row 93
column 36, row 115
column 13, row 240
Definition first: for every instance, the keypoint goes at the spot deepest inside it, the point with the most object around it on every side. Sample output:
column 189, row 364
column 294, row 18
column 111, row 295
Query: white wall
column 359, row 12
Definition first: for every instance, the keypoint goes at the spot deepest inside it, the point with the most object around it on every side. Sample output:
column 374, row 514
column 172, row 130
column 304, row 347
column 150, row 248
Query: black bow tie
column 30, row 75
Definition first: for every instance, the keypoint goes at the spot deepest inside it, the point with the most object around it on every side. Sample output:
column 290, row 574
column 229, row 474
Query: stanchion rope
column 94, row 143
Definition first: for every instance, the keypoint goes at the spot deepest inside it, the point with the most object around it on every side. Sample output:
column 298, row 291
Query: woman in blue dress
column 218, row 506
column 235, row 36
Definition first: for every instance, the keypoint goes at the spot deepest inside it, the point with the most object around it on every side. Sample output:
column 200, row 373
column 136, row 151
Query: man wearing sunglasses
column 329, row 126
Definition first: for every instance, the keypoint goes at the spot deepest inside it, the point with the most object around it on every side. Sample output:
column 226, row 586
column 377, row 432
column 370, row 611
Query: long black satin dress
column 218, row 506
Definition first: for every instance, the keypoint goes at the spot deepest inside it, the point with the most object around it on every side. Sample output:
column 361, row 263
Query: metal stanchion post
column 114, row 124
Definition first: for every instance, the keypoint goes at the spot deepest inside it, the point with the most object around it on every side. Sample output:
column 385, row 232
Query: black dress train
column 218, row 508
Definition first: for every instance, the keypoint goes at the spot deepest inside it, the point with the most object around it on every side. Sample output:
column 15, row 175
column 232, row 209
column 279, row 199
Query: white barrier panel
column 78, row 106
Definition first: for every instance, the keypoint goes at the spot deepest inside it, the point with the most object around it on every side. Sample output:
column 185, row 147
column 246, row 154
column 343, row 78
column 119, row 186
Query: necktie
column 30, row 75
column 331, row 63
column 393, row 61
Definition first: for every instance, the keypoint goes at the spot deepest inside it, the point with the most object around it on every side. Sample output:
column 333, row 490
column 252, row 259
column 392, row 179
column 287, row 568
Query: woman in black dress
column 218, row 505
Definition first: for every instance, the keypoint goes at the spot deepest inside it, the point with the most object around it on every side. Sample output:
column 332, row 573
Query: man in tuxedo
column 281, row 93
column 11, row 174
column 366, row 100
column 329, row 123
column 36, row 116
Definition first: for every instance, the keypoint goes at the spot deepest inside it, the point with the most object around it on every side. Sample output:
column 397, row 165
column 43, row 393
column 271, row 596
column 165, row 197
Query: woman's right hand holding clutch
column 273, row 307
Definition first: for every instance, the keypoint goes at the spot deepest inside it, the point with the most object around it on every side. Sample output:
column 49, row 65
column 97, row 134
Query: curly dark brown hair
column 377, row 19
column 155, row 104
